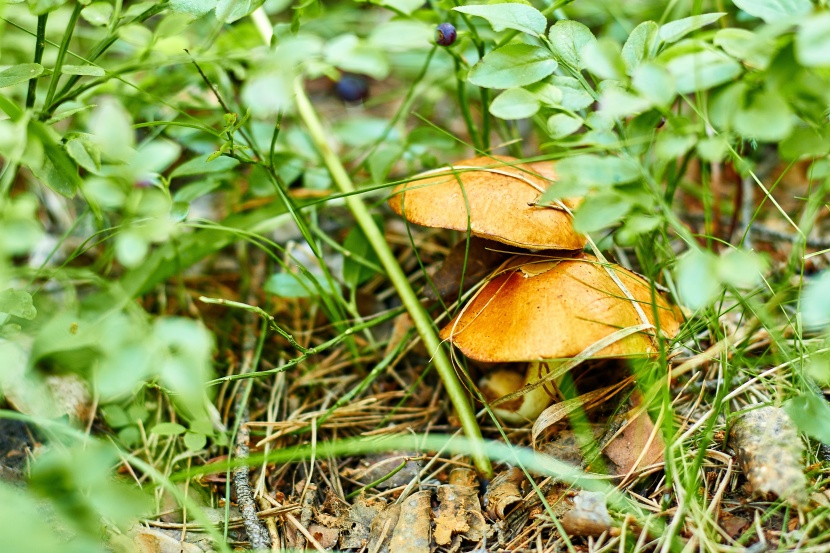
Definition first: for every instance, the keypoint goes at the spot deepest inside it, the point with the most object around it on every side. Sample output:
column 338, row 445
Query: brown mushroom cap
column 545, row 308
column 500, row 194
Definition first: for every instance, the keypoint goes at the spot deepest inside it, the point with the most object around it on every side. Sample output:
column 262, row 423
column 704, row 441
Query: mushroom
column 496, row 196
column 543, row 308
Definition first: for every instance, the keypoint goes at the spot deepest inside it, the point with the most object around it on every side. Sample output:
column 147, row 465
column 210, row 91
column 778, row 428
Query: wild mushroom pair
column 552, row 302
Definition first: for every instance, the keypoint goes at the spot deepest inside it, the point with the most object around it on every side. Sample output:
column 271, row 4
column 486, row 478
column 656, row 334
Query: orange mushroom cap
column 501, row 195
column 544, row 308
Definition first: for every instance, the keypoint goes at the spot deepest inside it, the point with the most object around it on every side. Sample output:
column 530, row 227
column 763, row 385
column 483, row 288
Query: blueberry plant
column 144, row 146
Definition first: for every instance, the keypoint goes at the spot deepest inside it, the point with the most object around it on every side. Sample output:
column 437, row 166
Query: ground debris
column 359, row 521
column 639, row 444
column 503, row 493
column 149, row 540
column 459, row 514
column 412, row 532
column 589, row 516
column 770, row 453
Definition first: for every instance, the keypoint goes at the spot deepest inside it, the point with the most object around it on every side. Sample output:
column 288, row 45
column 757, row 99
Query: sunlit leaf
column 521, row 17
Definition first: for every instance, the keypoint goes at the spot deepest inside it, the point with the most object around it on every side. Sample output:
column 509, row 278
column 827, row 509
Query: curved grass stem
column 420, row 318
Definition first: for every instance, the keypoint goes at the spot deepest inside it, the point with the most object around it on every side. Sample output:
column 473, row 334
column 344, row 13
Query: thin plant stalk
column 420, row 318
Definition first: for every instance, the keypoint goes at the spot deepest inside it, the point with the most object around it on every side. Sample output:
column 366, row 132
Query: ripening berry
column 445, row 34
column 352, row 88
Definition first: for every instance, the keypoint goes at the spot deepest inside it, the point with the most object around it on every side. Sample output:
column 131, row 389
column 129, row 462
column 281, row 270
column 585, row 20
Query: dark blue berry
column 445, row 34
column 352, row 88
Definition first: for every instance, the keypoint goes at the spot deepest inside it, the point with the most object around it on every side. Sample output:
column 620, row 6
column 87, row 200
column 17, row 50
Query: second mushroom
column 534, row 308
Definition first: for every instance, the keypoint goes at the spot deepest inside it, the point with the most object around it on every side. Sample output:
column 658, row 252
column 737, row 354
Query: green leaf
column 98, row 13
column 765, row 117
column 806, row 142
column 228, row 11
column 675, row 30
column 85, row 70
column 201, row 166
column 514, row 103
column 269, row 93
column 639, row 45
column 186, row 365
column 194, row 441
column 568, row 38
column 135, row 34
column 196, row 8
column 812, row 42
column 600, row 211
column 547, row 93
column 356, row 273
column 815, row 303
column 574, row 95
column 296, row 285
column 697, row 281
column 40, row 7
column 603, row 59
column 811, row 415
column 131, row 248
column 562, row 125
column 403, row 6
column 616, row 102
column 349, row 53
column 755, row 50
column 772, row 11
column 520, row 17
column 17, row 303
column 671, row 145
column 57, row 171
column 168, row 429
column 512, row 65
column 593, row 170
column 702, row 70
column 85, row 152
column 741, row 269
column 654, row 82
column 21, row 73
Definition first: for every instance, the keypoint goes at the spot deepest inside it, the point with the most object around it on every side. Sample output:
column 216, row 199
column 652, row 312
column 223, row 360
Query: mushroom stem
column 423, row 323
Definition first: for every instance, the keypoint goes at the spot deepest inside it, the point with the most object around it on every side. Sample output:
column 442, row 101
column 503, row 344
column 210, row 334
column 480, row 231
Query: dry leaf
column 626, row 450
column 503, row 492
column 412, row 532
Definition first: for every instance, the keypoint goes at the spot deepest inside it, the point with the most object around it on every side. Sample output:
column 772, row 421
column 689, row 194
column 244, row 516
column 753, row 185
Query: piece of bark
column 412, row 532
column 461, row 476
column 383, row 526
column 359, row 521
column 482, row 257
column 458, row 514
column 503, row 493
column 770, row 453
column 589, row 516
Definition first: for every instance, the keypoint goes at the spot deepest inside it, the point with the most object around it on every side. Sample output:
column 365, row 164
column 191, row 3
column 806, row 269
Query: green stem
column 40, row 43
column 422, row 321
column 67, row 36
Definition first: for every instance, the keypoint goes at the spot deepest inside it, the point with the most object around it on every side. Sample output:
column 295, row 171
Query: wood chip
column 458, row 514
column 412, row 532
column 770, row 453
column 503, row 493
